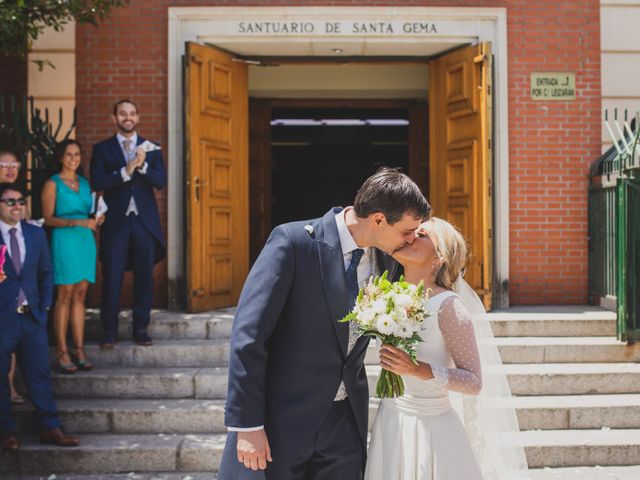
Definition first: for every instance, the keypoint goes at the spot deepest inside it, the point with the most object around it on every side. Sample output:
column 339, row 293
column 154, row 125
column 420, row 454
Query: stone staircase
column 157, row 412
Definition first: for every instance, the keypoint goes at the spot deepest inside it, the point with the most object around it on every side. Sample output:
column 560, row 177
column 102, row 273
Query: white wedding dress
column 420, row 436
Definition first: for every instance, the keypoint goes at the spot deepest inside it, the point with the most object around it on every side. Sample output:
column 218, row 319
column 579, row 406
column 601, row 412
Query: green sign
column 553, row 86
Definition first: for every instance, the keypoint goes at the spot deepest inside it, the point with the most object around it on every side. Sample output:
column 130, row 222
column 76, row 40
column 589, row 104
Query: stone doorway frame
column 219, row 25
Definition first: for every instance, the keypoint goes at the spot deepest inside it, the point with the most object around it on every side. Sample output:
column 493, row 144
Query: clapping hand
column 137, row 162
column 3, row 277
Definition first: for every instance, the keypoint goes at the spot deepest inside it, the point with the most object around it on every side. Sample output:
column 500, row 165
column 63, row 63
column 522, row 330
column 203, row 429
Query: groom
column 297, row 402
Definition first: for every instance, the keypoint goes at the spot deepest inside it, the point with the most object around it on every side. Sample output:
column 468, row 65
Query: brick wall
column 551, row 144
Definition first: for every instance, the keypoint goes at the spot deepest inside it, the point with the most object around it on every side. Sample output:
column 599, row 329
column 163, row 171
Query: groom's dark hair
column 392, row 193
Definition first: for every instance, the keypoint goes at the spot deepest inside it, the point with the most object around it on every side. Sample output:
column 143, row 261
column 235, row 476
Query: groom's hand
column 253, row 449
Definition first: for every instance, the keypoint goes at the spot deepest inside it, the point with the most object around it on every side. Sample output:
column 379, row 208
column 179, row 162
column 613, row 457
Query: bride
column 420, row 436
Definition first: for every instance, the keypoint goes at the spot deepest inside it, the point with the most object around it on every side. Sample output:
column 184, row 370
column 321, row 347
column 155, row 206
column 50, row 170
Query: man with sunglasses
column 26, row 291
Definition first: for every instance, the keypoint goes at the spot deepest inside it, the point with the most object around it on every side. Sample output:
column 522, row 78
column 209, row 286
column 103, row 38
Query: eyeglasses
column 11, row 202
column 8, row 165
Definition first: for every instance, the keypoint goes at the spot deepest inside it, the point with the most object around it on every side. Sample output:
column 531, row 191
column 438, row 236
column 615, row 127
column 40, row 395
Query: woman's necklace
column 71, row 182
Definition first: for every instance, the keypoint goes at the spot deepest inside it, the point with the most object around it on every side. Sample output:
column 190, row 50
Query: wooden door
column 216, row 140
column 460, row 155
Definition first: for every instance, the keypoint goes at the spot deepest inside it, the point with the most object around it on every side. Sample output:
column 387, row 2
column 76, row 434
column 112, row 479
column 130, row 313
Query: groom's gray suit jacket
column 288, row 352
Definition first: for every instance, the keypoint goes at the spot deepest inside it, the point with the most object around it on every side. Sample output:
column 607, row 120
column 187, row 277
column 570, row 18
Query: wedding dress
column 421, row 436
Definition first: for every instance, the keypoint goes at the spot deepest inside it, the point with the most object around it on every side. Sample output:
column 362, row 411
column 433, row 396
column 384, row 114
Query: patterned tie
column 15, row 259
column 128, row 147
column 352, row 275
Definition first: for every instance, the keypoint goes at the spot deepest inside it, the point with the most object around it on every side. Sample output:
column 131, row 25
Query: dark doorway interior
column 321, row 156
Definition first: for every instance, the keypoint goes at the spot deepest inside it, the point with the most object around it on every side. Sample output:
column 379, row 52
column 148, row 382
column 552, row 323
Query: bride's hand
column 399, row 362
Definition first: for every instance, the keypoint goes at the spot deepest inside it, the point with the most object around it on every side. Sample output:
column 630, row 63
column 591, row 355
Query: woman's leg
column 61, row 322
column 78, row 318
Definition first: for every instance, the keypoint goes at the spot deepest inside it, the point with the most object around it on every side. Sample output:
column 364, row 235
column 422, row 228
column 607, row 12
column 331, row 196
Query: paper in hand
column 101, row 208
column 98, row 208
column 148, row 146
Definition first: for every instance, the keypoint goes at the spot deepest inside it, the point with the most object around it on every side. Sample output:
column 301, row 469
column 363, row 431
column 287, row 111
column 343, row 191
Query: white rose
column 399, row 315
column 402, row 300
column 403, row 331
column 379, row 306
column 366, row 317
column 385, row 324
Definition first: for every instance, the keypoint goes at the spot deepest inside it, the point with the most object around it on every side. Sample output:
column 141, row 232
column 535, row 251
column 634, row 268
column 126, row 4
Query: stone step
column 201, row 453
column 118, row 476
column 151, row 383
column 207, row 416
column 163, row 353
column 586, row 473
column 573, row 378
column 566, row 350
column 215, row 353
column 132, row 416
column 556, row 320
column 166, row 325
column 580, row 448
column 568, row 473
column 527, row 321
column 102, row 454
column 553, row 350
column 211, row 382
column 578, row 411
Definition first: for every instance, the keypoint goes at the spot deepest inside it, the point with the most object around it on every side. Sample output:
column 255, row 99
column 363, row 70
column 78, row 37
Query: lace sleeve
column 457, row 329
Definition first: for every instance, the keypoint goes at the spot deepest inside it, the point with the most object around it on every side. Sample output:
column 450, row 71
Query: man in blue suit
column 297, row 402
column 128, row 169
column 26, row 292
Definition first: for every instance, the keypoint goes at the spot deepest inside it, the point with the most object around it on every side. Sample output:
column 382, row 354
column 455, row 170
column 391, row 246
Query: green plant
column 29, row 131
column 22, row 21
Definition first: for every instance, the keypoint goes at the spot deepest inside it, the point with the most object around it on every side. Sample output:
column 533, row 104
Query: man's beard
column 123, row 128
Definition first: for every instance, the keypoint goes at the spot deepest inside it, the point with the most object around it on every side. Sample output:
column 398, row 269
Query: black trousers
column 336, row 451
column 135, row 245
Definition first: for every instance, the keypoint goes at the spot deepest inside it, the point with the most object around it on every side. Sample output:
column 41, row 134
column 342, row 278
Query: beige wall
column 620, row 39
column 340, row 81
column 54, row 88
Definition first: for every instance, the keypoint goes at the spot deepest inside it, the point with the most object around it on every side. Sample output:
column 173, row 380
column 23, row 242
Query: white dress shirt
column 365, row 269
column 128, row 156
column 6, row 237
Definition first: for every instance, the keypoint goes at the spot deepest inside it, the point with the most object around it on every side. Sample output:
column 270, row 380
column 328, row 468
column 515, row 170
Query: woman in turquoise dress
column 66, row 205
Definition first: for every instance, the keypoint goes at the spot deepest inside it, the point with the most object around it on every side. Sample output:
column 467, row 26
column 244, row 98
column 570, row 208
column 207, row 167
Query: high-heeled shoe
column 81, row 364
column 68, row 368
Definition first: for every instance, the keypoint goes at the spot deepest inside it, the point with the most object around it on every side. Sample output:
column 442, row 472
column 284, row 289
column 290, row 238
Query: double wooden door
column 459, row 173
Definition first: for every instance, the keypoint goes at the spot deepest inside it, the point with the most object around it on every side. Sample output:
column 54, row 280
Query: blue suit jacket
column 35, row 279
column 106, row 162
column 288, row 352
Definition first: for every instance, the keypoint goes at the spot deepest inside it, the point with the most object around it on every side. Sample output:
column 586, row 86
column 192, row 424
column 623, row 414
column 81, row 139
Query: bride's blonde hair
column 451, row 249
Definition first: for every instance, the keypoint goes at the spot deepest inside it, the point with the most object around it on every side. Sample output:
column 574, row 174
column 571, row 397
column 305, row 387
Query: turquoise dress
column 73, row 249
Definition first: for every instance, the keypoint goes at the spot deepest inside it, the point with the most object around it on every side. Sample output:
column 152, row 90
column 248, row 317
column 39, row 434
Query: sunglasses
column 11, row 202
column 8, row 165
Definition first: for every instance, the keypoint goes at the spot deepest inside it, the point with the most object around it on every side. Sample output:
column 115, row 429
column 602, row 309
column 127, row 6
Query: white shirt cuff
column 248, row 429
column 124, row 175
column 144, row 168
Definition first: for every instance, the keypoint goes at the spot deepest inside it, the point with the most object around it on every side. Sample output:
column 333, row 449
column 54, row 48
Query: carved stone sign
column 553, row 86
column 353, row 27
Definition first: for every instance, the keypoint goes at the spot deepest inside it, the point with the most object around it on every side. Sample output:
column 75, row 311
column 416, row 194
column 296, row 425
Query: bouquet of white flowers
column 393, row 312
